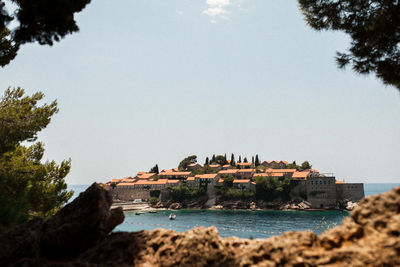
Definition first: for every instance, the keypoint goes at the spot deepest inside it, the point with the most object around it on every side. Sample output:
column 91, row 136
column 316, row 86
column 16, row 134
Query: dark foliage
column 44, row 21
column 374, row 27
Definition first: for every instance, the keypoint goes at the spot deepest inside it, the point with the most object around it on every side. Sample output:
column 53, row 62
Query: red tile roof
column 271, row 174
column 206, row 176
column 125, row 184
column 190, row 179
column 214, row 165
column 281, row 170
column 302, row 175
column 174, row 173
column 244, row 164
column 160, row 181
column 146, row 175
column 241, row 181
column 231, row 171
column 246, row 170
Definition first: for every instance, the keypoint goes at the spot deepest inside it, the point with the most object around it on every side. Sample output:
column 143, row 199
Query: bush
column 183, row 192
column 234, row 194
column 153, row 200
column 268, row 188
column 155, row 193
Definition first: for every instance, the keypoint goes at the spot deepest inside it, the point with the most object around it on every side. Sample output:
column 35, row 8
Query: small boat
column 137, row 213
column 172, row 216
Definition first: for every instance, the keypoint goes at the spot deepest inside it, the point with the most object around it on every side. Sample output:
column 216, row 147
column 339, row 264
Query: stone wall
column 350, row 191
column 129, row 194
column 321, row 192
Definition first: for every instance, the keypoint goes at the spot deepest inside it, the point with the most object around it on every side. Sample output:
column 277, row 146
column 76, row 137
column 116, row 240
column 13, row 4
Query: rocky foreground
column 80, row 235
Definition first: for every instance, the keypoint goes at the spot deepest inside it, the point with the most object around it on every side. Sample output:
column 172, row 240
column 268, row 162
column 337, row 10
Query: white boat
column 172, row 216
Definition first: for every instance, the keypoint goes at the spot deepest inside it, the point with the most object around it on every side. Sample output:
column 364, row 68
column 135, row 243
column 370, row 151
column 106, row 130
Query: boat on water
column 137, row 213
column 172, row 216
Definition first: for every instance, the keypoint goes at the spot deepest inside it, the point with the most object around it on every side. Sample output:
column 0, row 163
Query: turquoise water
column 240, row 223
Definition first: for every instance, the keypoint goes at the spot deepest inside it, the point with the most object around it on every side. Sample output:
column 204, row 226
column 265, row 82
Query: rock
column 159, row 205
column 351, row 205
column 75, row 228
column 216, row 207
column 175, row 206
column 369, row 237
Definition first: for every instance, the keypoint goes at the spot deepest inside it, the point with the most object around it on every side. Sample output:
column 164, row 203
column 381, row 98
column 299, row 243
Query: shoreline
column 146, row 208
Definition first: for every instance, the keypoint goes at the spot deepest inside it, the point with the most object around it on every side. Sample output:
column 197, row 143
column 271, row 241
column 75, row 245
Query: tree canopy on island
column 28, row 187
column 374, row 28
column 44, row 21
column 186, row 161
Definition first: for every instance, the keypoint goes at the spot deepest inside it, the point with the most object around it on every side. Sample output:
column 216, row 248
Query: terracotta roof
column 300, row 174
column 231, row 171
column 220, row 180
column 281, row 170
column 285, row 162
column 340, row 182
column 241, row 181
column 173, row 181
column 206, row 176
column 214, row 165
column 139, row 173
column 271, row 174
column 253, row 183
column 146, row 175
column 175, row 170
column 160, row 181
column 116, row 180
column 193, row 164
column 127, row 179
column 226, row 166
column 246, row 170
column 190, row 179
column 174, row 173
column 125, row 184
column 244, row 164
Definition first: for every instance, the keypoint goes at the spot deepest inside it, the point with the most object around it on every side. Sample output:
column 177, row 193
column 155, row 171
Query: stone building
column 349, row 191
column 321, row 191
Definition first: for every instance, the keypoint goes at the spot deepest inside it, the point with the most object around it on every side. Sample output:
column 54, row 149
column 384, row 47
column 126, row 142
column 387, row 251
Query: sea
column 240, row 223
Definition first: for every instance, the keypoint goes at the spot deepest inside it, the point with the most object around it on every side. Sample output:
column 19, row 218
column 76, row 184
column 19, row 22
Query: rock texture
column 79, row 236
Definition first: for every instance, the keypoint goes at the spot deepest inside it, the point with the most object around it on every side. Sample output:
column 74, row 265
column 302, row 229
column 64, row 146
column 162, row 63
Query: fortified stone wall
column 321, row 192
column 129, row 194
column 299, row 190
column 352, row 191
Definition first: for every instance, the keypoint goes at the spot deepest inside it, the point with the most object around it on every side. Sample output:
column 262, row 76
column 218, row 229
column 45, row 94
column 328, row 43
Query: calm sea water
column 240, row 223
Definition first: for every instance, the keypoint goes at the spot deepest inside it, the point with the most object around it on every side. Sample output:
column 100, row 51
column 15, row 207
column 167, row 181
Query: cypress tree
column 207, row 161
column 257, row 162
column 252, row 160
column 245, row 160
column 213, row 159
column 232, row 160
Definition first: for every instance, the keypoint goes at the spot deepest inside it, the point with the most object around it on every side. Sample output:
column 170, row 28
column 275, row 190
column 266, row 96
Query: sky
column 153, row 81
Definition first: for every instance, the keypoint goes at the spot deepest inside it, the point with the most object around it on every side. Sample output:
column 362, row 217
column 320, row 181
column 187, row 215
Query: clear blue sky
column 152, row 81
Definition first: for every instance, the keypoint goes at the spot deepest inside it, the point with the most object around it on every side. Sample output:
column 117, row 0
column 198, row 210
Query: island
column 226, row 184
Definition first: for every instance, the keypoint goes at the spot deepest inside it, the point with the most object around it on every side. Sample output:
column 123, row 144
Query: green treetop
column 28, row 187
column 186, row 161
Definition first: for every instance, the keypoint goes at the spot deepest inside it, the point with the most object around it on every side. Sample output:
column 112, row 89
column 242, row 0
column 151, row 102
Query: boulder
column 175, row 206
